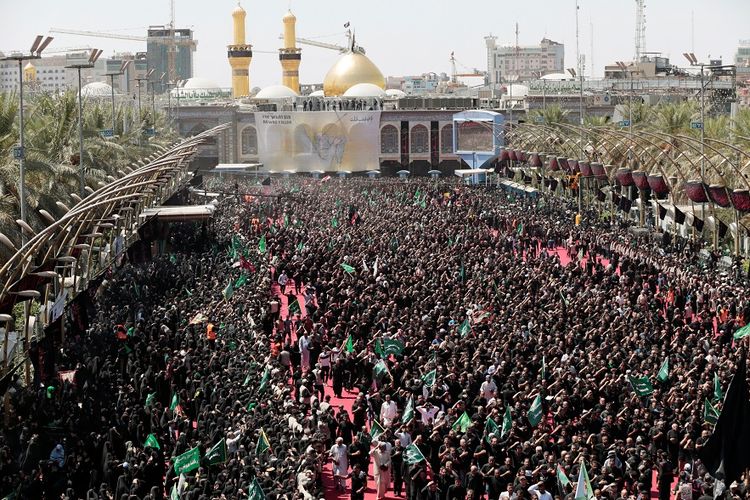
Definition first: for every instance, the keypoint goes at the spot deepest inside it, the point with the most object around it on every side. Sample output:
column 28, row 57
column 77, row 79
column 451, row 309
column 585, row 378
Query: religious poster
column 329, row 141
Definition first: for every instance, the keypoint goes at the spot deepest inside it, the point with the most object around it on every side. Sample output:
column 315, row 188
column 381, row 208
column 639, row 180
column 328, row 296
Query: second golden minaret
column 290, row 56
column 240, row 55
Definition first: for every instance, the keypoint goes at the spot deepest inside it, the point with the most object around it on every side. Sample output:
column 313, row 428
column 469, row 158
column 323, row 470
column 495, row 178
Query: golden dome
column 289, row 17
column 238, row 11
column 352, row 68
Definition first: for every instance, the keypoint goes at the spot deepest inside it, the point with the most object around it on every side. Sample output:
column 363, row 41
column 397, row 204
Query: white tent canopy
column 472, row 171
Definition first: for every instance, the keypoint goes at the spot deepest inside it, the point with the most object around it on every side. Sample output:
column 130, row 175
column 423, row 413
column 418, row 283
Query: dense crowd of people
column 509, row 368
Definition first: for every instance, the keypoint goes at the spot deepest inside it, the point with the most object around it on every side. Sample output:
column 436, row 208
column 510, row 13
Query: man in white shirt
column 488, row 389
column 304, row 350
column 337, row 453
column 388, row 411
column 381, row 468
column 428, row 412
column 539, row 491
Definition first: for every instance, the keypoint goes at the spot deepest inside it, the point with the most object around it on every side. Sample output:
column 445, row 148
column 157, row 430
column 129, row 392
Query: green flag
column 562, row 478
column 173, row 258
column 251, row 405
column 376, row 430
column 519, row 229
column 718, row 394
column 334, row 222
column 392, row 346
column 150, row 399
column 465, row 327
column 462, row 424
column 300, row 246
column 412, row 454
column 173, row 495
column 188, row 461
column 490, row 429
column 742, row 332
column 349, row 269
column 218, row 453
column 408, row 411
column 641, row 385
column 228, row 291
column 294, row 307
column 663, row 374
column 583, row 487
column 535, row 411
column 151, row 442
column 263, row 444
column 429, row 378
column 379, row 370
column 349, row 344
column 247, row 380
column 241, row 280
column 507, row 423
column 175, row 402
column 262, row 244
column 255, row 492
column 264, row 381
column 710, row 413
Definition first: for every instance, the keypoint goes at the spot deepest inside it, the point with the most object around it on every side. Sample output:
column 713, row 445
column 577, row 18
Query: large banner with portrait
column 331, row 141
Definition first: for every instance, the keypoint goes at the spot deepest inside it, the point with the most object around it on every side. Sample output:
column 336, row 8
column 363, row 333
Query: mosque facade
column 352, row 125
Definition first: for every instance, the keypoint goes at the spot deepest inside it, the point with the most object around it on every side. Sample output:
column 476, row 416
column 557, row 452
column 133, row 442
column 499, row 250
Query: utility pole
column 144, row 78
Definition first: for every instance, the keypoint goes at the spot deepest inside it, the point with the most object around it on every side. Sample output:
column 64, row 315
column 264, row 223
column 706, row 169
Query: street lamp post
column 112, row 76
column 93, row 57
column 40, row 43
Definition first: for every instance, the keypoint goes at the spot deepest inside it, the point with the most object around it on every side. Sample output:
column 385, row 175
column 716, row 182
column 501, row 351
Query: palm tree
column 550, row 115
column 52, row 153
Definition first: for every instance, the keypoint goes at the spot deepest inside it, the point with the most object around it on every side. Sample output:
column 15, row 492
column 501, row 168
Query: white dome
column 276, row 92
column 557, row 77
column 317, row 93
column 197, row 83
column 395, row 93
column 517, row 91
column 96, row 89
column 364, row 90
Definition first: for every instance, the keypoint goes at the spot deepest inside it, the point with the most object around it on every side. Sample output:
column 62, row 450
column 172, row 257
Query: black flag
column 266, row 182
column 679, row 216
column 726, row 451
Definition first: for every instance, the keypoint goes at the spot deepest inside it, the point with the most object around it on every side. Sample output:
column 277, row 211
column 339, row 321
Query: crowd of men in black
column 426, row 258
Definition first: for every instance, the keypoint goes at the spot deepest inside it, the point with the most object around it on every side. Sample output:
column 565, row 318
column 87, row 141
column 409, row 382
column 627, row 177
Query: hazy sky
column 401, row 36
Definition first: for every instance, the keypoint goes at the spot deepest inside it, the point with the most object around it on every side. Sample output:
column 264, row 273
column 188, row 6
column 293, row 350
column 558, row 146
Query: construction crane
column 170, row 40
column 640, row 29
column 455, row 75
column 350, row 47
column 68, row 50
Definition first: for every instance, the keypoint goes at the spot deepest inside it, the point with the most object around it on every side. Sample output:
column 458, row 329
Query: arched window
column 420, row 139
column 446, row 139
column 389, row 140
column 249, row 141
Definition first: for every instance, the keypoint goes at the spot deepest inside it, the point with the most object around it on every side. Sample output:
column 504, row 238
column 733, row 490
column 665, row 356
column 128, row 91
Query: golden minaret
column 240, row 54
column 290, row 56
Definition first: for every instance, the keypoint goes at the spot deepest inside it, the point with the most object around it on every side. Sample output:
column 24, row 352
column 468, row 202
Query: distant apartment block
column 523, row 62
